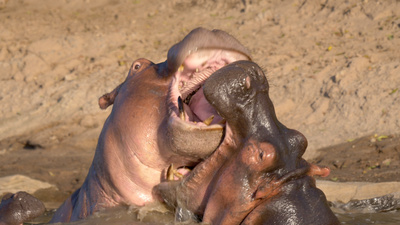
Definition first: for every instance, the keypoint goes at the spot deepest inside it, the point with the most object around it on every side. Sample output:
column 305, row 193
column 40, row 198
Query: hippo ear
column 318, row 171
column 108, row 98
column 248, row 82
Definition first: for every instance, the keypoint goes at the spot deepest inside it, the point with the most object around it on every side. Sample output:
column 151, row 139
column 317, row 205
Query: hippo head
column 159, row 117
column 239, row 93
column 268, row 167
column 191, row 127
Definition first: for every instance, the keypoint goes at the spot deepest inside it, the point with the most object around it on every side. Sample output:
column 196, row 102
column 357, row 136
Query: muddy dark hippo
column 19, row 207
column 150, row 129
column 257, row 174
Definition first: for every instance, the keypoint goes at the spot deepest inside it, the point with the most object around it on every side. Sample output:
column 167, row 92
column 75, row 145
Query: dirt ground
column 333, row 67
column 372, row 158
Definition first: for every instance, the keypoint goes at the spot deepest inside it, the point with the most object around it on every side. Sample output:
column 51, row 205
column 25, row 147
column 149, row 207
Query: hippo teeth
column 189, row 97
column 181, row 109
column 182, row 114
column 209, row 120
column 190, row 75
column 172, row 173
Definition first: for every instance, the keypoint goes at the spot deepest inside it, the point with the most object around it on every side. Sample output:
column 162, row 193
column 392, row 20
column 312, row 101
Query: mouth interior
column 193, row 108
column 189, row 97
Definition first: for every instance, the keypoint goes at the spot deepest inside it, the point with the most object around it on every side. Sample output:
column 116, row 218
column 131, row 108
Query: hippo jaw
column 195, row 127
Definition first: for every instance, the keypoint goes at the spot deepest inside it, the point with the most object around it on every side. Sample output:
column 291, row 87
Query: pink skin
column 120, row 175
column 139, row 138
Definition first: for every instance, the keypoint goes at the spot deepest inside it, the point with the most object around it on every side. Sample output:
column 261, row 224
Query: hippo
column 19, row 207
column 159, row 118
column 257, row 174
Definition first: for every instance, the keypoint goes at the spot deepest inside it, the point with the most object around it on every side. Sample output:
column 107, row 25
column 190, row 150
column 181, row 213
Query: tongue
column 202, row 108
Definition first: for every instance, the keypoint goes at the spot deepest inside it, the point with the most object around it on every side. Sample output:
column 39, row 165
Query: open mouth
column 197, row 127
column 187, row 86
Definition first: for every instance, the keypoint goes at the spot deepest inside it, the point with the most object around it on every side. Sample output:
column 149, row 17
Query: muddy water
column 158, row 215
column 387, row 218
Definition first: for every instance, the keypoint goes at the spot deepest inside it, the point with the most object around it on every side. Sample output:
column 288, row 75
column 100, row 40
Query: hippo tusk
column 180, row 69
column 181, row 109
column 208, row 120
column 172, row 173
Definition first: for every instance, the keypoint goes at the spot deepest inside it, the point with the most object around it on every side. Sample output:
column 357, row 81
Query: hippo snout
column 240, row 94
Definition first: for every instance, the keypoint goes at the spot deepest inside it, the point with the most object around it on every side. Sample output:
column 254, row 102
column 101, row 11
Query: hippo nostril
column 261, row 155
column 297, row 142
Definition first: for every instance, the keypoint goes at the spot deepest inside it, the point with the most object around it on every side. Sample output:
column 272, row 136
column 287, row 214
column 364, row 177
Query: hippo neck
column 127, row 162
column 127, row 186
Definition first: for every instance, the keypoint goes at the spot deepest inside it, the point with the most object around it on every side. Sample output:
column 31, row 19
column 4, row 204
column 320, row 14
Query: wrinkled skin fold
column 257, row 175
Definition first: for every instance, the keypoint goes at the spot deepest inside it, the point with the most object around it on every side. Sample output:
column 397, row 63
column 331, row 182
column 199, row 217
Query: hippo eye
column 136, row 66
